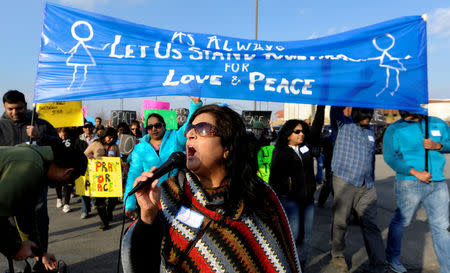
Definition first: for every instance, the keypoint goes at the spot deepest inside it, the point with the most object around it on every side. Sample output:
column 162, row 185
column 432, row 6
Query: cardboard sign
column 153, row 104
column 264, row 160
column 182, row 114
column 251, row 117
column 103, row 178
column 169, row 116
column 118, row 116
column 61, row 114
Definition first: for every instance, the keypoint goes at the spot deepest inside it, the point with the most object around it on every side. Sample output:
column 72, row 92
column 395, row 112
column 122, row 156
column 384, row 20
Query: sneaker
column 340, row 264
column 59, row 203
column 66, row 208
column 84, row 215
column 396, row 266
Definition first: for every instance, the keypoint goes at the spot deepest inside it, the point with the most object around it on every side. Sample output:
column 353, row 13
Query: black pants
column 67, row 190
column 105, row 207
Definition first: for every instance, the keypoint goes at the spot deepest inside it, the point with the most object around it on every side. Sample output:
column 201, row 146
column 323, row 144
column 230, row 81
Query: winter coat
column 15, row 132
column 144, row 156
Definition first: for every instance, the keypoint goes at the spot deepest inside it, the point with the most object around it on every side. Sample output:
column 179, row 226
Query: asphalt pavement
column 87, row 249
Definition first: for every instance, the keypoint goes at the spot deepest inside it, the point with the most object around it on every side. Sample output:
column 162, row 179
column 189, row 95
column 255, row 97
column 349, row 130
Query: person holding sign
column 292, row 176
column 154, row 149
column 216, row 215
column 404, row 147
column 104, row 146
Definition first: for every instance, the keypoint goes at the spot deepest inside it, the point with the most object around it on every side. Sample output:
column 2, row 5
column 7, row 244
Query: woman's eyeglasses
column 157, row 125
column 202, row 129
column 298, row 132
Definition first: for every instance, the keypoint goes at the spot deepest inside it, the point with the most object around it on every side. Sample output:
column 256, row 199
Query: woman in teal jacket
column 154, row 149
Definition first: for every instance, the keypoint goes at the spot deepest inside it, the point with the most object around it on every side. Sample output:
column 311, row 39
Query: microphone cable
column 121, row 235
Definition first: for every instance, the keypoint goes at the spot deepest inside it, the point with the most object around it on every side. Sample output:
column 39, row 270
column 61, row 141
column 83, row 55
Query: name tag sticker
column 435, row 133
column 189, row 217
column 304, row 149
column 371, row 138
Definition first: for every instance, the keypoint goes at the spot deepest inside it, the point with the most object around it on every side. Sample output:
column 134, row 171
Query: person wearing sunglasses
column 135, row 128
column 216, row 214
column 292, row 176
column 153, row 150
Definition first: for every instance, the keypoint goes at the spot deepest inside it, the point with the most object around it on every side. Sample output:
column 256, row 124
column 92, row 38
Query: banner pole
column 426, row 136
column 256, row 36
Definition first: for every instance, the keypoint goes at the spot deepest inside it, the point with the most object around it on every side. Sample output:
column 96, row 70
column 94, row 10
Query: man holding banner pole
column 353, row 166
column 404, row 145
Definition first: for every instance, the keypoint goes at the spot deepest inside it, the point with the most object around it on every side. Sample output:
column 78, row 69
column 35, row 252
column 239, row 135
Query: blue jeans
column 301, row 218
column 85, row 204
column 435, row 199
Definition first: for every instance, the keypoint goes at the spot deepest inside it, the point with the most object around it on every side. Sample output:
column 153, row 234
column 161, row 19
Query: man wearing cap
column 88, row 133
column 404, row 147
column 25, row 170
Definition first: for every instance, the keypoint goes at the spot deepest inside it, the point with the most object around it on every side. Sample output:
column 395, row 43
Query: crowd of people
column 215, row 213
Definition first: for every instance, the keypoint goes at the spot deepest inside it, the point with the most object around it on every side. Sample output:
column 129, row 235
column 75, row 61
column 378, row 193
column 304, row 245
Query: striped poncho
column 243, row 241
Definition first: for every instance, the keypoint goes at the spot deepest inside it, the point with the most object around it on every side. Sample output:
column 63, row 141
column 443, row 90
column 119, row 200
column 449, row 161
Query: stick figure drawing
column 389, row 62
column 80, row 54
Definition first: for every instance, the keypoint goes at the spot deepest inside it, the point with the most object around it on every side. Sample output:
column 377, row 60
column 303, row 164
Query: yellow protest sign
column 61, row 114
column 103, row 178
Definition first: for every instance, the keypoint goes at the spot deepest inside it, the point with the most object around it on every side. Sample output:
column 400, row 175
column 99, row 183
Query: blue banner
column 87, row 56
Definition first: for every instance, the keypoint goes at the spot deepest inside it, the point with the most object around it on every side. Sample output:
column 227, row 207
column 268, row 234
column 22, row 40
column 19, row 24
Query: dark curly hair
column 240, row 166
column 287, row 130
column 110, row 131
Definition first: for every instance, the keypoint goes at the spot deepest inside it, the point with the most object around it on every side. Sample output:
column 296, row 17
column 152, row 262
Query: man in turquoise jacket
column 404, row 147
column 154, row 152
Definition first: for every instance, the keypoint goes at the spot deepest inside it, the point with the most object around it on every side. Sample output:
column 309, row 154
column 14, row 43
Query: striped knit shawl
column 242, row 242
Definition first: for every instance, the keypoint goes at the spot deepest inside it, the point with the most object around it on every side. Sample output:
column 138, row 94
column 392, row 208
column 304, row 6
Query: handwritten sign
column 182, row 114
column 264, row 161
column 103, row 178
column 153, row 104
column 61, row 114
column 170, row 117
column 251, row 117
column 118, row 116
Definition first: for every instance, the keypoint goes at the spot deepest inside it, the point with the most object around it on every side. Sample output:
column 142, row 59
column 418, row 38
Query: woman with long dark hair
column 215, row 215
column 292, row 176
column 104, row 146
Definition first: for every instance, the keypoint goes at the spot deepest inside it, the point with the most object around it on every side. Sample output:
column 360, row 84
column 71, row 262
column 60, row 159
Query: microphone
column 176, row 160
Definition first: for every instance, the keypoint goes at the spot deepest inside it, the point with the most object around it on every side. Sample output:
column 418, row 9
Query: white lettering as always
column 213, row 39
